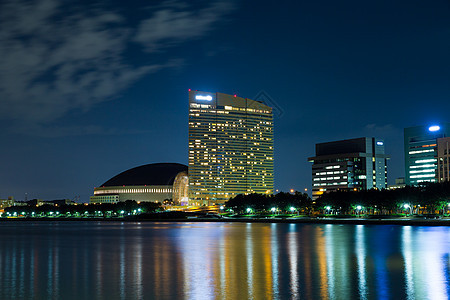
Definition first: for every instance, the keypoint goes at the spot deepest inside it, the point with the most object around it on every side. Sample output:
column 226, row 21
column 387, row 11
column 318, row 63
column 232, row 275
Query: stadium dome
column 153, row 182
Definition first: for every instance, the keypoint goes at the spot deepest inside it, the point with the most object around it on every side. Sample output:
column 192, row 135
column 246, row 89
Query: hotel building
column 230, row 147
column 355, row 164
column 420, row 144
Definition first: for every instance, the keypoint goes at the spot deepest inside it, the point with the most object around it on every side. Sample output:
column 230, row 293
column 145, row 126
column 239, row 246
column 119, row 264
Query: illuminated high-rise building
column 230, row 147
column 356, row 164
column 421, row 143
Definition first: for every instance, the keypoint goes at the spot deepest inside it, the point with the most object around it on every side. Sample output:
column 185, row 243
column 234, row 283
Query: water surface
column 114, row 260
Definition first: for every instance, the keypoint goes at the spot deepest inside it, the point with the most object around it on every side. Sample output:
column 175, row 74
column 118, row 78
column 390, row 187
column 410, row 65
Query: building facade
column 443, row 159
column 230, row 147
column 420, row 146
column 355, row 164
column 153, row 182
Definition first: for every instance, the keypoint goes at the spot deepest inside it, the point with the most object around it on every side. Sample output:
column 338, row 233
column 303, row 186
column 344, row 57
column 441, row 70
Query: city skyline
column 89, row 90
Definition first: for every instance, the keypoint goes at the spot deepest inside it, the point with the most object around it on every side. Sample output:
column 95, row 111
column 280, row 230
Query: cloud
column 49, row 131
column 382, row 131
column 55, row 58
column 173, row 24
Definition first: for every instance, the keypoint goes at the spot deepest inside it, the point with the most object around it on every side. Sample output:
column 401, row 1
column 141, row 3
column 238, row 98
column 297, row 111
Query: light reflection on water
column 75, row 260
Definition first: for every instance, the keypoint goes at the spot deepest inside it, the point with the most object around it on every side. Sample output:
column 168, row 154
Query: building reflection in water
column 222, row 261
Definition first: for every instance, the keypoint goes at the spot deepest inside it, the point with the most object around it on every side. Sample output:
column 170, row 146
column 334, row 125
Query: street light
column 273, row 209
column 407, row 206
column 358, row 208
column 328, row 208
column 249, row 210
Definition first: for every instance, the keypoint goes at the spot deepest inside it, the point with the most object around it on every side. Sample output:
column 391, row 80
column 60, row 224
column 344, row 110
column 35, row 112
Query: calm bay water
column 108, row 260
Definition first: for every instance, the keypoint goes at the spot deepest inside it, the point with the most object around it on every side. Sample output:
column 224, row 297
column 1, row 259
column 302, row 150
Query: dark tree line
column 113, row 209
column 263, row 202
column 425, row 198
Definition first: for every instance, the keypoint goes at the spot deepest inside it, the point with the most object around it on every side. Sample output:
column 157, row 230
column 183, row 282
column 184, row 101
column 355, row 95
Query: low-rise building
column 152, row 182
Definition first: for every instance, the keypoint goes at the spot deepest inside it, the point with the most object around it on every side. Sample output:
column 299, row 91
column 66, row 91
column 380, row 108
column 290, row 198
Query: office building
column 230, row 147
column 420, row 145
column 152, row 182
column 355, row 164
column 443, row 159
column 399, row 184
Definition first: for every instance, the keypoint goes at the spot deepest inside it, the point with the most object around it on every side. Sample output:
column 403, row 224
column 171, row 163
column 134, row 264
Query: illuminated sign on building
column 203, row 97
column 380, row 143
column 434, row 128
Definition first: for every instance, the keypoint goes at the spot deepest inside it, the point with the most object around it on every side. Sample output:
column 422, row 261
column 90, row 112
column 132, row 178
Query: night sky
column 90, row 89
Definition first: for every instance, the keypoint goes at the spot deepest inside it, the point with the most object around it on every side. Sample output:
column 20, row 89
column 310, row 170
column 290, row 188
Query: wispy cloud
column 173, row 24
column 382, row 131
column 55, row 59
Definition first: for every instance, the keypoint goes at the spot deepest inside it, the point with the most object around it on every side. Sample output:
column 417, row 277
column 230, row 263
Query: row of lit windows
column 422, row 171
column 328, row 178
column 423, row 176
column 328, row 184
column 330, row 173
column 422, row 166
column 421, row 151
column 134, row 191
column 332, row 167
column 420, row 161
column 422, row 146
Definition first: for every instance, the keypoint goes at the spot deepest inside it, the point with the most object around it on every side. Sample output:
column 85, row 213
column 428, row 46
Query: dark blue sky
column 88, row 90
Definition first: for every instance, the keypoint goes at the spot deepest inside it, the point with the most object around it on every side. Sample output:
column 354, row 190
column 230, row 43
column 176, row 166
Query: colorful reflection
column 222, row 261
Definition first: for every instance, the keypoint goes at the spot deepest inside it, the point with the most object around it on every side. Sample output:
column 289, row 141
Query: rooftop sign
column 434, row 128
column 203, row 97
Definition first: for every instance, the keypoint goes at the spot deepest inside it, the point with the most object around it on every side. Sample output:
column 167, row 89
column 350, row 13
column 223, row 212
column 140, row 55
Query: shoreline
column 360, row 221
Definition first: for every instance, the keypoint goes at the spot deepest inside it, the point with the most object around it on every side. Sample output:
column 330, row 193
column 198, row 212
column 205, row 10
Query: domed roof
column 151, row 174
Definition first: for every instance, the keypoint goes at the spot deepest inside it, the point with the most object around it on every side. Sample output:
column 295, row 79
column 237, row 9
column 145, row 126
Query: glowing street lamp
column 273, row 209
column 328, row 208
column 408, row 207
column 292, row 209
column 358, row 209
column 249, row 210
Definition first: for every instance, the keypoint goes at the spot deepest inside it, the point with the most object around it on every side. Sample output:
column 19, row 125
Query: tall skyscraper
column 420, row 145
column 355, row 164
column 230, row 147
